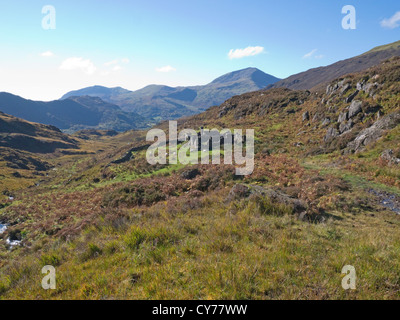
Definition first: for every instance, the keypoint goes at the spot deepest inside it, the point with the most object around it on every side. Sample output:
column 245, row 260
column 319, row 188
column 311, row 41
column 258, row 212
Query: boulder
column 355, row 108
column 306, row 116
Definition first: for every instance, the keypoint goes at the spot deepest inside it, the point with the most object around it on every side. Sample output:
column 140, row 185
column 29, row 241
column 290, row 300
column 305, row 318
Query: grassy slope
column 136, row 231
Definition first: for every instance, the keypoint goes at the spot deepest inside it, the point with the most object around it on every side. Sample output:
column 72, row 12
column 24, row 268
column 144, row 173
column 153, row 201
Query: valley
column 324, row 193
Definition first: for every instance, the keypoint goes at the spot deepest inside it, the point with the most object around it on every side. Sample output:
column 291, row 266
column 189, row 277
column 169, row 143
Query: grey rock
column 360, row 86
column 346, row 126
column 374, row 132
column 351, row 97
column 326, row 122
column 355, row 108
column 389, row 156
column 331, row 134
column 306, row 116
column 344, row 116
column 345, row 88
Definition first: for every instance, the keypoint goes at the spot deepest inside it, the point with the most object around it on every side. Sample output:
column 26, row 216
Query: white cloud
column 246, row 52
column 47, row 54
column 320, row 56
column 110, row 63
column 117, row 68
column 76, row 63
column 392, row 22
column 310, row 54
column 125, row 60
column 165, row 69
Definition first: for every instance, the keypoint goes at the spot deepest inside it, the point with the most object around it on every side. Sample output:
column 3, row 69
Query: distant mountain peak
column 260, row 78
column 155, row 102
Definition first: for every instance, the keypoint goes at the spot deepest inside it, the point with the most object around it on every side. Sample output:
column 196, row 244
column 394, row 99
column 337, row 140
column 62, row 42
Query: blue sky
column 177, row 42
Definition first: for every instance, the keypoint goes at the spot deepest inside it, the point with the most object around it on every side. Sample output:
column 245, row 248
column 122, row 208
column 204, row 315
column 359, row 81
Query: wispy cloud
column 75, row 63
column 47, row 54
column 392, row 22
column 310, row 54
column 165, row 69
column 125, row 60
column 246, row 52
column 117, row 68
column 110, row 63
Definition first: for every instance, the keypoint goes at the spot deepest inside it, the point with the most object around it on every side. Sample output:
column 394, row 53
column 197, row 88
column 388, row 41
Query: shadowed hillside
column 72, row 114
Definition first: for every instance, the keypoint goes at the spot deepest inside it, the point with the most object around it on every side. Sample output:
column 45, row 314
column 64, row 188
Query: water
column 13, row 243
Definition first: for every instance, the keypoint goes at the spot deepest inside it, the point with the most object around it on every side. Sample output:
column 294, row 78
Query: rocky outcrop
column 346, row 126
column 355, row 109
column 331, row 134
column 374, row 132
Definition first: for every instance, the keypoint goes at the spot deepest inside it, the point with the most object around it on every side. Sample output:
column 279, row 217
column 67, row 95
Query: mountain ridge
column 166, row 103
column 71, row 114
column 315, row 77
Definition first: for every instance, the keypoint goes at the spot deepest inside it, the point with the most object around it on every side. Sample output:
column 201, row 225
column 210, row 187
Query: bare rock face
column 355, row 108
column 331, row 134
column 343, row 117
column 351, row 97
column 374, row 132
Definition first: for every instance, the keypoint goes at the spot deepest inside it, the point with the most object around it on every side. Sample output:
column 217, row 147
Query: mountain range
column 120, row 109
column 159, row 102
column 72, row 114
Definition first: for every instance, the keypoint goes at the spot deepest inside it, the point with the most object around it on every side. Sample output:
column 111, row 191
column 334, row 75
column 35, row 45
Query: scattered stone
column 389, row 156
